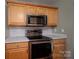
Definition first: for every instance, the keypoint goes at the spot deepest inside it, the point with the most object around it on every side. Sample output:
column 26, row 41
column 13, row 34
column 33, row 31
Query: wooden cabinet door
column 17, row 50
column 52, row 17
column 12, row 54
column 35, row 10
column 31, row 10
column 16, row 15
column 21, row 53
column 58, row 48
column 42, row 11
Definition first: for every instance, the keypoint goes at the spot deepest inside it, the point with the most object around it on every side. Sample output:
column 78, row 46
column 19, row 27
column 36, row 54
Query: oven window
column 41, row 50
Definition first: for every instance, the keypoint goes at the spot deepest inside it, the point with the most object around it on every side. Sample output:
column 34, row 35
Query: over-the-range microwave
column 37, row 20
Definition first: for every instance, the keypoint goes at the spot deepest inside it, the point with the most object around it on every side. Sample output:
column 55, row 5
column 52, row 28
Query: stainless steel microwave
column 37, row 20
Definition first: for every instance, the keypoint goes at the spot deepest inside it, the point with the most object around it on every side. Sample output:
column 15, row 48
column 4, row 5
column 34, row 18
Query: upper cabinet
column 17, row 14
column 52, row 17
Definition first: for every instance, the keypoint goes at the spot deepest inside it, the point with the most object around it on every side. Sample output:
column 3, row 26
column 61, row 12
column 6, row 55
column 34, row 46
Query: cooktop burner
column 38, row 38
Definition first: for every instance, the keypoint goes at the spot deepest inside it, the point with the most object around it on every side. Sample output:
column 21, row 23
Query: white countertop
column 16, row 39
column 23, row 39
column 56, row 35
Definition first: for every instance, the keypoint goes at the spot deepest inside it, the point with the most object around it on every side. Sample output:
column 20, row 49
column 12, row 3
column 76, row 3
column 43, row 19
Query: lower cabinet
column 20, row 50
column 14, row 51
column 58, row 48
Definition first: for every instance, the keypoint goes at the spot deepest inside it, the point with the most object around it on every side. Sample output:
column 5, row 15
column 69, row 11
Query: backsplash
column 18, row 32
column 15, row 32
column 47, row 31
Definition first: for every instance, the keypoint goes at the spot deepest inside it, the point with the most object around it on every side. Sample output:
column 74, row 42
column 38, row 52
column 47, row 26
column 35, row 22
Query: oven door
column 41, row 50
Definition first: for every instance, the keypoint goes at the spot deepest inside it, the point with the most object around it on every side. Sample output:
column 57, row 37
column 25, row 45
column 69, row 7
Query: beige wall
column 66, row 17
column 66, row 8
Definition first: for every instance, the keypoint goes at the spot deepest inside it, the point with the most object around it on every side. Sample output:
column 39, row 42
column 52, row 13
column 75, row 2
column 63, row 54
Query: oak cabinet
column 58, row 48
column 52, row 17
column 17, row 50
column 20, row 50
column 51, row 13
column 35, row 10
column 16, row 15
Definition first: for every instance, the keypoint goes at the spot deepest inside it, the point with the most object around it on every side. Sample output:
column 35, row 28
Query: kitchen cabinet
column 16, row 15
column 52, row 17
column 58, row 48
column 35, row 10
column 20, row 50
column 31, row 10
column 51, row 13
column 17, row 50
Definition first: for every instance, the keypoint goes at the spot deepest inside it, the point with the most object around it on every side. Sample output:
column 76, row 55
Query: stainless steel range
column 40, row 46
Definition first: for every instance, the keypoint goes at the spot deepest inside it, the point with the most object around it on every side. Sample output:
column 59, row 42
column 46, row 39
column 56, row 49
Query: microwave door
column 33, row 21
column 37, row 20
column 40, row 21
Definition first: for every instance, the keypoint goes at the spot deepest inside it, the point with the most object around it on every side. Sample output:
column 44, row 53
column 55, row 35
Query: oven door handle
column 41, row 42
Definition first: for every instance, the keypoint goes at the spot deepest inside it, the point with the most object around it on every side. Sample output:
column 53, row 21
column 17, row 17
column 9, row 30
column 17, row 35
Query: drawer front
column 16, row 50
column 59, row 48
column 59, row 51
column 16, row 45
column 11, row 45
column 22, row 44
column 58, row 41
column 58, row 55
column 59, row 45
